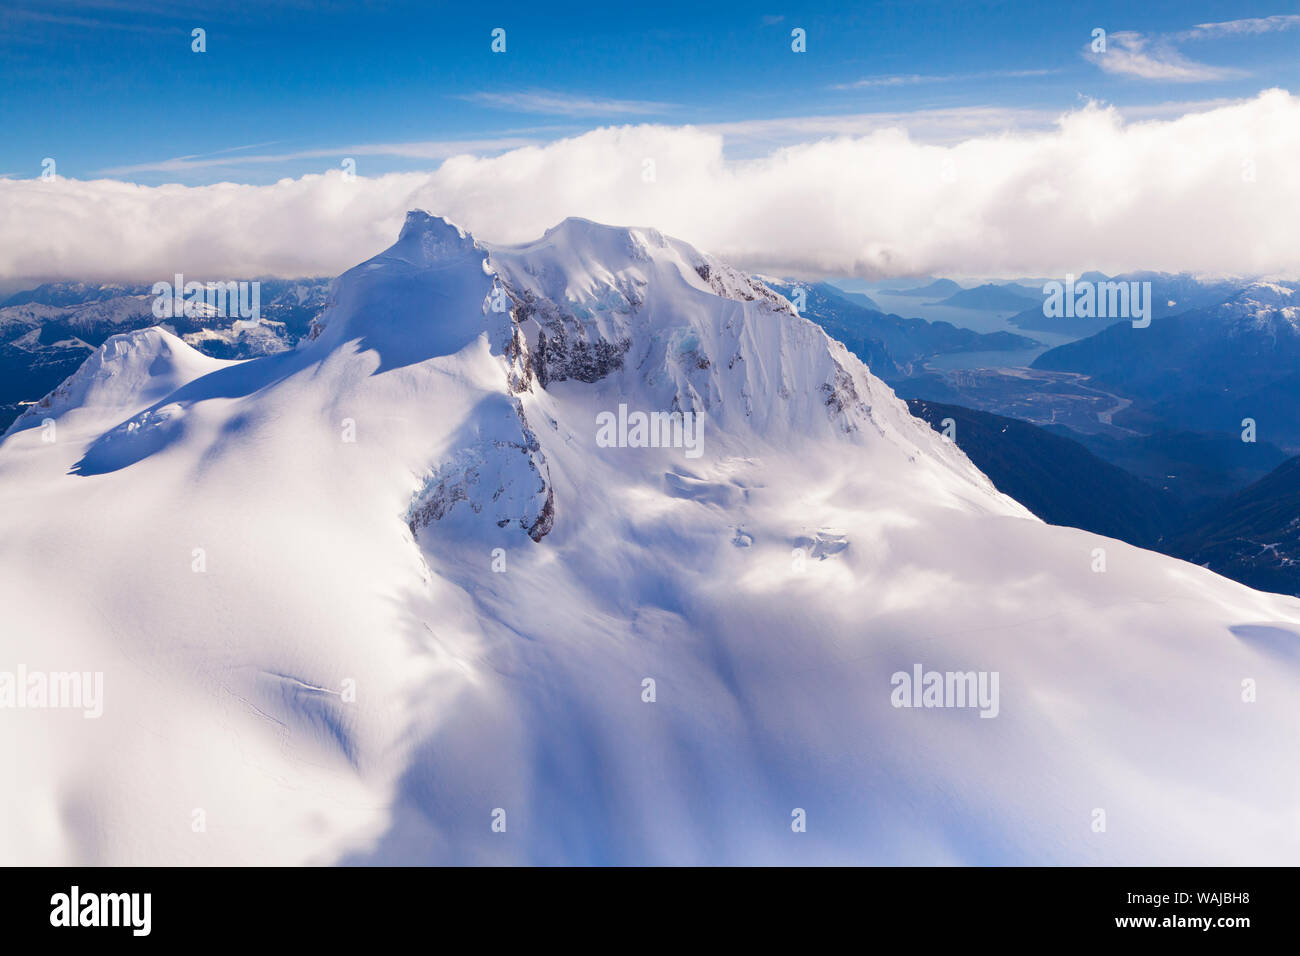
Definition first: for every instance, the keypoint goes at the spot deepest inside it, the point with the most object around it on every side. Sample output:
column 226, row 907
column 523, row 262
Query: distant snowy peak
column 1268, row 306
column 128, row 371
column 65, row 294
column 1267, row 294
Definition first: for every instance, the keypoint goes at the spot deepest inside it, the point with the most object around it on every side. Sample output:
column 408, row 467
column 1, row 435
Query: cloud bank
column 1215, row 191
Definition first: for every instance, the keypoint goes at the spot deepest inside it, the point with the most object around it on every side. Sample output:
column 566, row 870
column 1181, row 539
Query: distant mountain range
column 890, row 345
column 1204, row 370
column 857, row 298
column 1171, row 294
column 938, row 289
column 1196, row 467
column 1056, row 478
column 1252, row 536
column 994, row 297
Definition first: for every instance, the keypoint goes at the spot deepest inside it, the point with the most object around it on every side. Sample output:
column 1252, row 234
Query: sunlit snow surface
column 770, row 587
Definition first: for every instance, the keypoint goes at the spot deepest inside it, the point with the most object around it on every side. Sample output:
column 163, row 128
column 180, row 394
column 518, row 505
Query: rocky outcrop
column 506, row 479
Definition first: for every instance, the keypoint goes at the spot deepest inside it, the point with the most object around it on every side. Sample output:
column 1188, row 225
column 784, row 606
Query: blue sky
column 111, row 88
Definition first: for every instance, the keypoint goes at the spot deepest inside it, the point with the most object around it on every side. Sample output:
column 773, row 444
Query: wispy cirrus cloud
column 1130, row 53
column 428, row 149
column 14, row 18
column 1133, row 54
column 552, row 103
column 914, row 79
column 1247, row 27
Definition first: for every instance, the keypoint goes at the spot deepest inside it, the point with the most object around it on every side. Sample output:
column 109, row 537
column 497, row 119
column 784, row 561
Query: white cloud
column 1135, row 55
column 1091, row 192
column 931, row 125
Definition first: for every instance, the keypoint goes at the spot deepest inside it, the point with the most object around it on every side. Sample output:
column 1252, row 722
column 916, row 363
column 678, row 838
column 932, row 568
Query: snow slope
column 351, row 601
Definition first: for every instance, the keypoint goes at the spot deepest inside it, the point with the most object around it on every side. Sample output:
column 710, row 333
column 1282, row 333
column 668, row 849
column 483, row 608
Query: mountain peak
column 1264, row 306
column 129, row 370
column 422, row 222
column 580, row 227
column 428, row 238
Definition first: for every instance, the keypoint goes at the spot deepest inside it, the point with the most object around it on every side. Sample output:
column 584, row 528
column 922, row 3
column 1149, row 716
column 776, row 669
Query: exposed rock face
column 546, row 519
column 505, row 478
column 519, row 360
column 841, row 395
column 566, row 346
column 560, row 358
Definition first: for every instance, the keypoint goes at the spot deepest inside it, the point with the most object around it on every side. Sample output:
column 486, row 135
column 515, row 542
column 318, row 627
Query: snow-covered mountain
column 396, row 596
column 1203, row 370
column 47, row 332
column 1171, row 294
